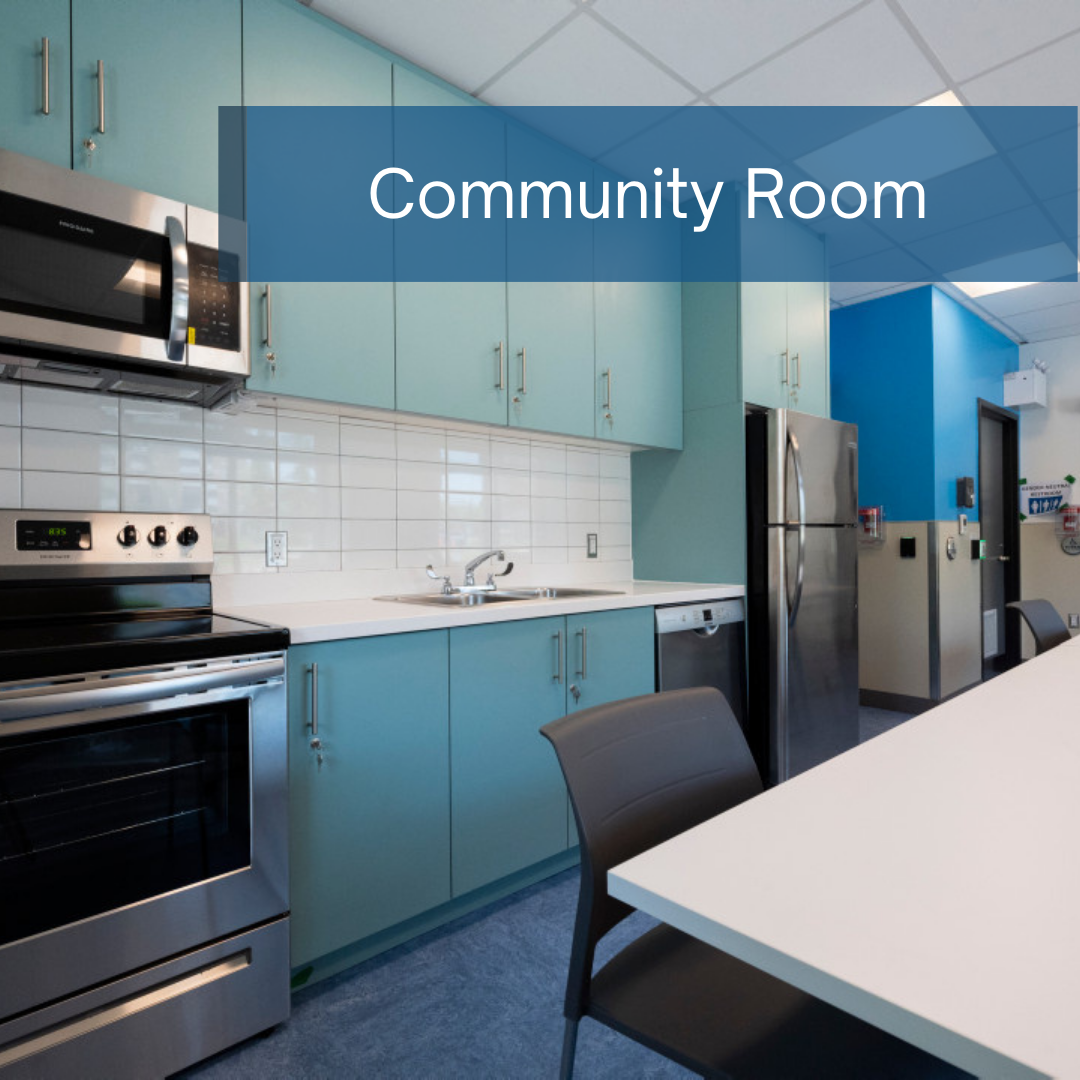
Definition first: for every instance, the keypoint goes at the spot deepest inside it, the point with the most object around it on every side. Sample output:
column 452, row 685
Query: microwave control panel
column 213, row 305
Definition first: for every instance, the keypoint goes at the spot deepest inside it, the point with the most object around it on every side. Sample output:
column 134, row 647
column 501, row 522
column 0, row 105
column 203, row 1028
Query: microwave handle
column 181, row 288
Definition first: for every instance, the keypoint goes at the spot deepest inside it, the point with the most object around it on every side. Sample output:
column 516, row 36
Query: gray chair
column 1046, row 625
column 639, row 772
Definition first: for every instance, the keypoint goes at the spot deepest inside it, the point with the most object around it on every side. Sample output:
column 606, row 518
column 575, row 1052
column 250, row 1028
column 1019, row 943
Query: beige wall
column 1050, row 449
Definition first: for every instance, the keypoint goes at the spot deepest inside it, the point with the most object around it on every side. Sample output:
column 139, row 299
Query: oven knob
column 159, row 536
column 188, row 536
column 128, row 536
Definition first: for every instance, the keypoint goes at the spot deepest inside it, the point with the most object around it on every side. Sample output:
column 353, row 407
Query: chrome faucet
column 470, row 567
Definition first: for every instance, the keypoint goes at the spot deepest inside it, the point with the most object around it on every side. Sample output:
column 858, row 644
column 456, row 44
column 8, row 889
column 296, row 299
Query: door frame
column 1010, row 443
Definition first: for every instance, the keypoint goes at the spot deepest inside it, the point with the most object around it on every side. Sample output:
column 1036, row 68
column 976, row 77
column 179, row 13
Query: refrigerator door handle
column 800, row 526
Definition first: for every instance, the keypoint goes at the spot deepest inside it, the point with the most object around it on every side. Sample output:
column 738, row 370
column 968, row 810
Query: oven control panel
column 39, row 544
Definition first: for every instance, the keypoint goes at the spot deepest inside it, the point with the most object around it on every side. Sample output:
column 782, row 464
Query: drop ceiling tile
column 1053, row 333
column 1050, row 76
column 970, row 36
column 709, row 43
column 849, row 292
column 865, row 59
column 1047, row 294
column 463, row 41
column 586, row 64
column 1038, row 322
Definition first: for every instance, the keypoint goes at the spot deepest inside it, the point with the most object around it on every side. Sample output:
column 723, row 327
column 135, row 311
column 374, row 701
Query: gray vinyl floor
column 479, row 999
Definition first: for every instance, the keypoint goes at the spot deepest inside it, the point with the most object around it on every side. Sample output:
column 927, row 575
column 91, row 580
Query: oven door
column 142, row 813
column 89, row 266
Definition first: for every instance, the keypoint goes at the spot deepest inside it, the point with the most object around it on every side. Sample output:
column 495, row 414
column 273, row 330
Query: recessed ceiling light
column 975, row 289
column 947, row 98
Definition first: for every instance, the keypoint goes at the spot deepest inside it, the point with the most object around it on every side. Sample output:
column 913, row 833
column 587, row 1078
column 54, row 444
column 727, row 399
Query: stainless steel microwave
column 106, row 288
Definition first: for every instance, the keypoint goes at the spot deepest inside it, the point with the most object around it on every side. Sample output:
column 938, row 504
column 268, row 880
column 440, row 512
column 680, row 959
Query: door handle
column 1003, row 558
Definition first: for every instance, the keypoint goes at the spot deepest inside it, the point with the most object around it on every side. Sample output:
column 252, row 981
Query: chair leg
column 569, row 1046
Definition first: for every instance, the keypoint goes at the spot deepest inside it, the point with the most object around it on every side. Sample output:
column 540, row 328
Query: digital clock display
column 52, row 535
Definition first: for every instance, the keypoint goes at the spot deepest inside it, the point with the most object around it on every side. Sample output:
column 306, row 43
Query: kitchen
column 354, row 460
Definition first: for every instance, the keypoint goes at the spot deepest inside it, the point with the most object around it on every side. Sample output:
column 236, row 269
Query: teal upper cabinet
column 639, row 395
column 784, row 328
column 451, row 337
column 332, row 341
column 370, row 828
column 166, row 67
column 509, row 805
column 550, row 324
column 28, row 82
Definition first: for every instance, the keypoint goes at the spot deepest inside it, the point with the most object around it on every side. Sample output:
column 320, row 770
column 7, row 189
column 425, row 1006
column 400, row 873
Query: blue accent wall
column 970, row 360
column 909, row 369
column 882, row 379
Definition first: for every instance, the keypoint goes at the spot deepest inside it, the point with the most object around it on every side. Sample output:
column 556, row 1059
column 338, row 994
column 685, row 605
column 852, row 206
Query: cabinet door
column 639, row 362
column 167, row 69
column 24, row 125
column 370, row 829
column 507, row 794
column 332, row 341
column 450, row 336
column 808, row 327
column 763, row 343
column 550, row 323
column 610, row 656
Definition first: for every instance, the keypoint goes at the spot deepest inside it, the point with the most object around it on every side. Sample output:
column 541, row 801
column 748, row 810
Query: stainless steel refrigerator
column 803, row 646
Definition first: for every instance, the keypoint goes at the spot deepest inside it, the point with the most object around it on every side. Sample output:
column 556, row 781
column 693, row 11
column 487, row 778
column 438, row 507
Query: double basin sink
column 496, row 596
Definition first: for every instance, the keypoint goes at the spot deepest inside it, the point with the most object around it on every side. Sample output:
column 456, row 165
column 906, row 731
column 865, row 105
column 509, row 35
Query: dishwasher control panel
column 704, row 616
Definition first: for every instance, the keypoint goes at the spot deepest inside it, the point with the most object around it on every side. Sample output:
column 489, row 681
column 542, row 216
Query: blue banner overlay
column 700, row 193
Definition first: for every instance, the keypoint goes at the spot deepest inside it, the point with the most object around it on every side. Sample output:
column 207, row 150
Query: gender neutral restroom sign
column 1039, row 500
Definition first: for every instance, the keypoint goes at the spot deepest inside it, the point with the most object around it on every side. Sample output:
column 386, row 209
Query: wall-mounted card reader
column 907, row 547
column 978, row 549
column 965, row 492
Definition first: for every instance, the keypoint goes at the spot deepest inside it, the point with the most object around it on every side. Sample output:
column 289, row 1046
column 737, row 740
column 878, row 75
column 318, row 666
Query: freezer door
column 815, row 659
column 823, row 454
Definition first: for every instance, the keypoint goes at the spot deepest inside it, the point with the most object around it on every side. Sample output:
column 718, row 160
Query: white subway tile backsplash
column 10, row 404
column 67, row 451
column 368, row 503
column 161, row 420
column 353, row 494
column 510, row 454
column 159, row 457
column 244, row 463
column 307, row 435
column 228, row 499
column 368, row 440
column 368, row 472
column 10, row 489
column 294, row 500
column 66, row 410
column 244, row 429
column 368, row 535
column 142, row 494
column 10, row 448
column 65, row 491
column 322, row 470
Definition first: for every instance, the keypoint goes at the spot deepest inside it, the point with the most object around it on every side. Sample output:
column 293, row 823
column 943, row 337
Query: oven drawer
column 159, row 1020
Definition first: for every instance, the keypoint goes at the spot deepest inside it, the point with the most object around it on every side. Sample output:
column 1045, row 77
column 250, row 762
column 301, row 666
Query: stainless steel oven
column 143, row 810
column 104, row 287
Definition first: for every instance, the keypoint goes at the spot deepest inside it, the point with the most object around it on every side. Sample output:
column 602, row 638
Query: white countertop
column 336, row 619
column 927, row 881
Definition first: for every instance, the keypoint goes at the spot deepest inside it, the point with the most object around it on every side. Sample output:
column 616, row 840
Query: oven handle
column 181, row 290
column 30, row 703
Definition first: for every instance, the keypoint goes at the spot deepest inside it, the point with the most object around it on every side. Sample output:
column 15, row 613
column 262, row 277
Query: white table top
column 927, row 881
column 336, row 619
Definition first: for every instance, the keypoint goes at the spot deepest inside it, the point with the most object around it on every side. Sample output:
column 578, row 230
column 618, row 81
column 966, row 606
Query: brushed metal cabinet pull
column 583, row 671
column 787, row 369
column 557, row 638
column 524, row 387
column 500, row 382
column 101, row 97
column 798, row 371
column 45, row 76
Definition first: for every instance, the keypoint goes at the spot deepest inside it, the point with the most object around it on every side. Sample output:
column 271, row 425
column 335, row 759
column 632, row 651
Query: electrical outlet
column 277, row 549
column 1074, row 622
column 591, row 546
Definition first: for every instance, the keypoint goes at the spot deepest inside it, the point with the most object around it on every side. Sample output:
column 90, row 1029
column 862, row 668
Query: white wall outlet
column 1074, row 621
column 277, row 549
column 592, row 547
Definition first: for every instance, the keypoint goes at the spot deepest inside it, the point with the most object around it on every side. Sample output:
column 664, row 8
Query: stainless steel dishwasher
column 703, row 645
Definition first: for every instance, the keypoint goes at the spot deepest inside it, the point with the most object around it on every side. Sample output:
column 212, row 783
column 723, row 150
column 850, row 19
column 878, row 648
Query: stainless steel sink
column 455, row 599
column 496, row 596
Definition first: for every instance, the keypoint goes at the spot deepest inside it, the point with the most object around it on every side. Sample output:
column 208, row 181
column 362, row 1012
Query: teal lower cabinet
column 370, row 826
column 509, row 806
column 507, row 796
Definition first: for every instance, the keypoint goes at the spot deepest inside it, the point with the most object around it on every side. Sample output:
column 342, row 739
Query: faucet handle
column 447, row 588
column 492, row 576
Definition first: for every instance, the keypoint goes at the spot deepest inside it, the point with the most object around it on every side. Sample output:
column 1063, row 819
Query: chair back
column 640, row 771
column 1046, row 625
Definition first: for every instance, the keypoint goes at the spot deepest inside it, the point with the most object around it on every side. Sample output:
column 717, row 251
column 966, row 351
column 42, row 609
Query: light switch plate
column 591, row 546
column 277, row 549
